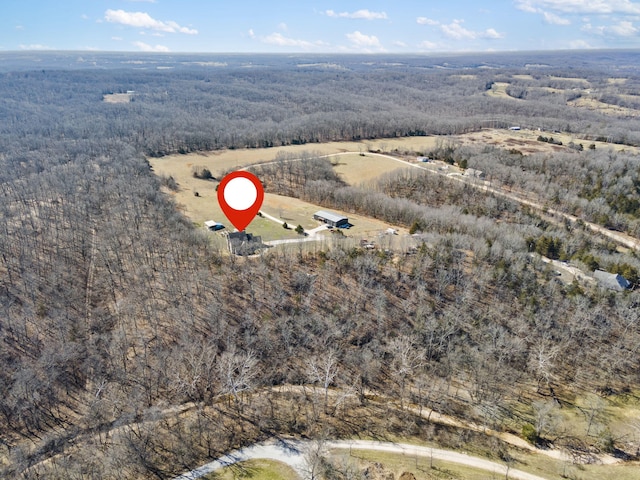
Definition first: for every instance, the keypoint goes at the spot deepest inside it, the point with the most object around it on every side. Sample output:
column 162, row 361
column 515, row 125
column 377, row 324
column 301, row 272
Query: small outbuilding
column 213, row 225
column 612, row 281
column 472, row 172
column 330, row 218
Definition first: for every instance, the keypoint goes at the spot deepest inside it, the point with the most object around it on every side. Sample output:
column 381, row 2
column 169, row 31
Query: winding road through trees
column 621, row 238
column 299, row 454
column 618, row 237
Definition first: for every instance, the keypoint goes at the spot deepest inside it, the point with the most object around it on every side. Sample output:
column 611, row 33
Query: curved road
column 619, row 237
column 293, row 453
column 622, row 238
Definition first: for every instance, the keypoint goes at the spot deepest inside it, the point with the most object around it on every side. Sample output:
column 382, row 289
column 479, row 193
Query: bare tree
column 406, row 358
column 594, row 411
column 545, row 417
column 237, row 372
column 314, row 456
column 542, row 362
column 323, row 369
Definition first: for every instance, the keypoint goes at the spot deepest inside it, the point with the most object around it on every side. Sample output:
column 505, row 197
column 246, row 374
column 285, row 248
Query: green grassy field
column 291, row 210
column 270, row 230
column 356, row 169
column 255, row 470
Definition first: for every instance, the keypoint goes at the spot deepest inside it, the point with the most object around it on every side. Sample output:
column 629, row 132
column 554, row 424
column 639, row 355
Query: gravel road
column 293, row 452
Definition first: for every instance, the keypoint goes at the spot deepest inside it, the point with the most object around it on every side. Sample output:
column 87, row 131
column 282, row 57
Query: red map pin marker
column 240, row 196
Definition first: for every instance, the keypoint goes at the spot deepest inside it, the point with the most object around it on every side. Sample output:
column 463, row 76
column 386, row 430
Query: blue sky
column 322, row 26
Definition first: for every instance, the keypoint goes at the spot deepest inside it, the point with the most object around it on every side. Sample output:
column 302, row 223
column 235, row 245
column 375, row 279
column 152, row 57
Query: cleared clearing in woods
column 499, row 89
column 293, row 211
column 591, row 103
column 362, row 168
column 354, row 168
column 219, row 162
column 526, row 140
column 586, row 101
column 117, row 98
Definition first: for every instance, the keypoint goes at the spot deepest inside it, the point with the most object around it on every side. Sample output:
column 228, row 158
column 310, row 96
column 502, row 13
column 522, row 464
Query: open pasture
column 499, row 89
column 293, row 211
column 222, row 161
column 591, row 103
column 353, row 161
column 570, row 79
column 219, row 162
column 526, row 140
column 356, row 169
column 117, row 98
column 298, row 212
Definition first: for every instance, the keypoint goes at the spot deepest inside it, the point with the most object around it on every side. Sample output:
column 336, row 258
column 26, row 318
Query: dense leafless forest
column 132, row 348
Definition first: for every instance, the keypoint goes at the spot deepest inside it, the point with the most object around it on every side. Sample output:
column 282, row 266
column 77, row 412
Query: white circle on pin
column 240, row 193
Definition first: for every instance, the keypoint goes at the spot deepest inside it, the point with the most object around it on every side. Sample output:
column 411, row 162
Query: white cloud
column 399, row 43
column 362, row 40
column 280, row 40
column 554, row 19
column 144, row 20
column 579, row 6
column 150, row 48
column 579, row 45
column 19, row 27
column 361, row 14
column 35, row 46
column 426, row 44
column 117, row 39
column 623, row 28
column 491, row 33
column 283, row 26
column 526, row 6
column 456, row 31
column 587, row 27
column 603, row 8
column 426, row 21
column 251, row 33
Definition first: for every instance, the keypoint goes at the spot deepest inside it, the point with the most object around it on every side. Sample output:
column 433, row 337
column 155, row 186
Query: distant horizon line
column 345, row 54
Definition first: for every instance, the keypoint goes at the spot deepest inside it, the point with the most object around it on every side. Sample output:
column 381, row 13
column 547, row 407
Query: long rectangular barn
column 330, row 218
